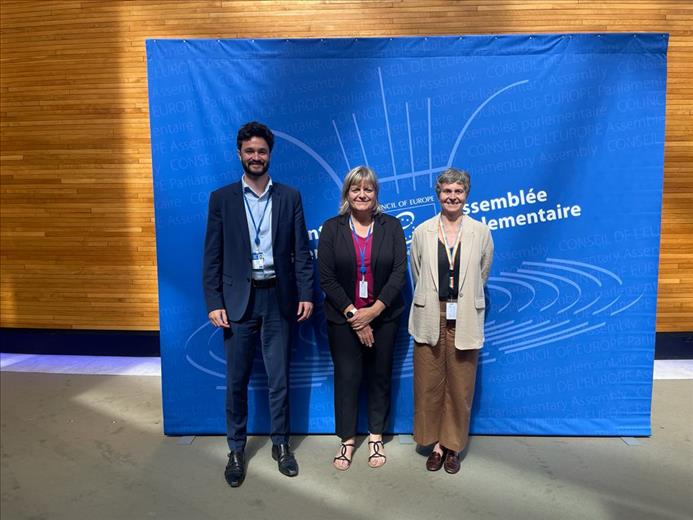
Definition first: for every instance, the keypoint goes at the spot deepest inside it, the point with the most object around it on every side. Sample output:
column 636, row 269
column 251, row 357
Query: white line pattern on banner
column 495, row 334
column 389, row 135
column 607, row 305
column 496, row 338
column 564, row 268
column 430, row 145
column 504, row 291
column 585, row 307
column 557, row 277
column 589, row 266
column 341, row 145
column 565, row 336
column 303, row 146
column 627, row 306
column 411, row 147
column 540, row 280
column 475, row 113
column 517, row 282
column 358, row 134
column 514, row 336
column 501, row 325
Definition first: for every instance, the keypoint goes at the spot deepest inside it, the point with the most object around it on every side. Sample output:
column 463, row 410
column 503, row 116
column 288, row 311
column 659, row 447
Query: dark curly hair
column 255, row 129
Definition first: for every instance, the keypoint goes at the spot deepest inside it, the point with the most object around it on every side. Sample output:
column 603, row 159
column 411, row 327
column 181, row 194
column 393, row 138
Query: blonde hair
column 357, row 176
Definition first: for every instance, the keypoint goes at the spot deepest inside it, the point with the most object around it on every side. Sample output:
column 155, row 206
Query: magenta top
column 360, row 243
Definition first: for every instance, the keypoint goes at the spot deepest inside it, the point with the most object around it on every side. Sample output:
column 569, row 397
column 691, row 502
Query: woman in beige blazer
column 451, row 256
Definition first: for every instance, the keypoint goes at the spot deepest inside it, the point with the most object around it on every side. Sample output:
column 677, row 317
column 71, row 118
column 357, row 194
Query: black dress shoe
column 235, row 469
column 285, row 459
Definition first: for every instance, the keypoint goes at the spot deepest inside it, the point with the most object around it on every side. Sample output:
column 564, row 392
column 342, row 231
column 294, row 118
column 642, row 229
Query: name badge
column 363, row 289
column 258, row 261
column 451, row 311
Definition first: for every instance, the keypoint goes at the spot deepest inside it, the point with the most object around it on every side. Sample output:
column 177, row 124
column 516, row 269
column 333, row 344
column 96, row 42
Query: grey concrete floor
column 82, row 446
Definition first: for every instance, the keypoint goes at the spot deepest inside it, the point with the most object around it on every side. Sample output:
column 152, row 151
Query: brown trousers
column 444, row 379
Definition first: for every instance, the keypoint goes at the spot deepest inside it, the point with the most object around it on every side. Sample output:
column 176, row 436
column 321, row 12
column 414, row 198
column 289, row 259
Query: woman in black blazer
column 363, row 262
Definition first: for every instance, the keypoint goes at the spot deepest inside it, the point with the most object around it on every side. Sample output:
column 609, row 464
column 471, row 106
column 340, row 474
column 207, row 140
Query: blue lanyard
column 262, row 217
column 362, row 250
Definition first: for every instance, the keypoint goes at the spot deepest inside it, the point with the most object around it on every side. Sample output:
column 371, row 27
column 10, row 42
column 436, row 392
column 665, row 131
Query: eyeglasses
column 447, row 192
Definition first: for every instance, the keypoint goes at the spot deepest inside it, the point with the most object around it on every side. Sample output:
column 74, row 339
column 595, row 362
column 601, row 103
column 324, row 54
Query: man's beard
column 255, row 173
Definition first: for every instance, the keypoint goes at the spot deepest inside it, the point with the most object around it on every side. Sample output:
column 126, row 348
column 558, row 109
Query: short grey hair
column 452, row 176
column 356, row 176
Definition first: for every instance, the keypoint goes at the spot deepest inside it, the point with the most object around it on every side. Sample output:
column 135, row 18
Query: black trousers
column 264, row 327
column 351, row 359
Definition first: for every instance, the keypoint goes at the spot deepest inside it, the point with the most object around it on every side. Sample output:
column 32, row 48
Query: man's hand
column 305, row 310
column 366, row 336
column 218, row 318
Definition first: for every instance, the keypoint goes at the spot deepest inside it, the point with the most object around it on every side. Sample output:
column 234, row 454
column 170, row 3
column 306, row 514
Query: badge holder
column 363, row 289
column 451, row 311
column 258, row 261
column 451, row 305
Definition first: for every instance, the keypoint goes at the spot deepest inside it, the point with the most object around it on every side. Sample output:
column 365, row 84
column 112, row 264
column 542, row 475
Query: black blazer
column 227, row 258
column 337, row 263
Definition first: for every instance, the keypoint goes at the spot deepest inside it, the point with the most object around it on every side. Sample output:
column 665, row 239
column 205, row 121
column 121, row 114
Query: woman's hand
column 365, row 315
column 366, row 336
column 362, row 318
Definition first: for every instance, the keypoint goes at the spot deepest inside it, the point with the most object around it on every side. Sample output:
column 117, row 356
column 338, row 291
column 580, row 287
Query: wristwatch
column 351, row 314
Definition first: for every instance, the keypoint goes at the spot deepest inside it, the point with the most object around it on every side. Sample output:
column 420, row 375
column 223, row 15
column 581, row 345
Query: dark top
column 444, row 292
column 338, row 267
column 227, row 255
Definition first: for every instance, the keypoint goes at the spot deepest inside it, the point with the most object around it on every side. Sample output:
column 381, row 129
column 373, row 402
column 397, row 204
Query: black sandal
column 376, row 453
column 344, row 457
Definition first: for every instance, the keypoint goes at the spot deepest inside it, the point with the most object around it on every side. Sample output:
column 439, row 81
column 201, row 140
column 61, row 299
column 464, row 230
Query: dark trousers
column 261, row 324
column 351, row 359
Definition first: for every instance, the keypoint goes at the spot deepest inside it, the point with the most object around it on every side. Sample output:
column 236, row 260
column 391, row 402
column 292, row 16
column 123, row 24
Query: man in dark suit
column 258, row 280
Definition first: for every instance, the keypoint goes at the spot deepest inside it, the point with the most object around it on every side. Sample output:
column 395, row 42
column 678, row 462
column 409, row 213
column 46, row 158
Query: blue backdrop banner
column 563, row 137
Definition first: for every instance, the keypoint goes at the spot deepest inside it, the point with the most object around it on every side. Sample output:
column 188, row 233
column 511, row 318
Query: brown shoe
column 435, row 461
column 452, row 462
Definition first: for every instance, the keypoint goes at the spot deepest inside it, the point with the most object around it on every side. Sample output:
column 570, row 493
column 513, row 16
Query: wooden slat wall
column 77, row 209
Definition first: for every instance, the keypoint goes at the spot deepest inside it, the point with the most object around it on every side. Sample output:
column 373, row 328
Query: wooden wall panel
column 77, row 213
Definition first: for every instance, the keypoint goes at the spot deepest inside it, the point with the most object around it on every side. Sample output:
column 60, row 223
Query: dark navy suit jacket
column 227, row 256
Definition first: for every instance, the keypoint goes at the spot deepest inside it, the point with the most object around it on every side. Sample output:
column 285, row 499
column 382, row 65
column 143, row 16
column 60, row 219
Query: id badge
column 451, row 311
column 258, row 261
column 363, row 289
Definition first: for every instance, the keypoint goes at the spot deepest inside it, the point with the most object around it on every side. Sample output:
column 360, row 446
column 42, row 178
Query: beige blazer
column 475, row 264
